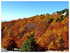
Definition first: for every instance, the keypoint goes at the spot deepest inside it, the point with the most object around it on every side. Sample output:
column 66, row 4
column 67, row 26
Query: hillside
column 50, row 32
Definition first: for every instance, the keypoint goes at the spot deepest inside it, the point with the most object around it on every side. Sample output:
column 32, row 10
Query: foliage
column 50, row 20
column 50, row 32
column 58, row 20
column 61, row 18
column 47, row 13
column 65, row 10
column 29, row 44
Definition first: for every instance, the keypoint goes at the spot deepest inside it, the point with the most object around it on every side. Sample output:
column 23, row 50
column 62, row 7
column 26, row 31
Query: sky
column 12, row 10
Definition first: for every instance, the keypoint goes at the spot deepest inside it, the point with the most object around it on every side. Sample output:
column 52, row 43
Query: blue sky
column 22, row 9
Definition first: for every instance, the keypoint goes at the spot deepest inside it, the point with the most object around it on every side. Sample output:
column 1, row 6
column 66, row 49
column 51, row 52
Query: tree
column 58, row 20
column 47, row 14
column 50, row 20
column 61, row 18
column 65, row 10
column 29, row 44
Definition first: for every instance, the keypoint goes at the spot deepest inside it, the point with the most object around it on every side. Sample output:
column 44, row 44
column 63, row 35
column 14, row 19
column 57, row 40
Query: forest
column 38, row 33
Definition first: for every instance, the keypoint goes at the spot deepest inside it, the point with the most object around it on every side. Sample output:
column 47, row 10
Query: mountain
column 50, row 32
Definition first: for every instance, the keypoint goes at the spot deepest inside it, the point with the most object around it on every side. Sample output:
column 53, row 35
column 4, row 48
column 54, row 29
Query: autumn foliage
column 50, row 33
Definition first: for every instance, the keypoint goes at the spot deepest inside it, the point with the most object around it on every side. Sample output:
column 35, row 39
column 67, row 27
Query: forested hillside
column 38, row 33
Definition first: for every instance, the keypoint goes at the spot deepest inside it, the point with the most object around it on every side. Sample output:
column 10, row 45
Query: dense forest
column 38, row 33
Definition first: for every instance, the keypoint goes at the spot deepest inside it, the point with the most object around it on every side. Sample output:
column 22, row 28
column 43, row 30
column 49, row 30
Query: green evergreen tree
column 29, row 44
column 50, row 20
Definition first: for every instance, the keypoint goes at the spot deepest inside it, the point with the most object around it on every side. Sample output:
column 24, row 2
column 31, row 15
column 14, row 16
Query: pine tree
column 28, row 45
